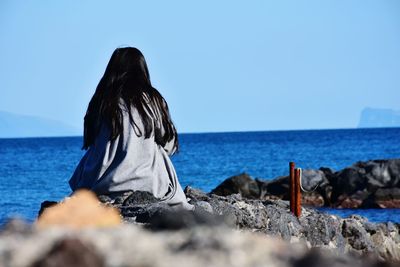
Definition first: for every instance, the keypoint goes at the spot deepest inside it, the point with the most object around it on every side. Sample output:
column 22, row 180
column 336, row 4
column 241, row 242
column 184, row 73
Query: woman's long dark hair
column 127, row 78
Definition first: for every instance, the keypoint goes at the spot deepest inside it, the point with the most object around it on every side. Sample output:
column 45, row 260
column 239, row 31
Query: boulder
column 82, row 209
column 384, row 198
column 68, row 252
column 239, row 184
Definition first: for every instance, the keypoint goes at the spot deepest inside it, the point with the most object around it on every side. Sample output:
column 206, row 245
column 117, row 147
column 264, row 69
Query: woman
column 129, row 135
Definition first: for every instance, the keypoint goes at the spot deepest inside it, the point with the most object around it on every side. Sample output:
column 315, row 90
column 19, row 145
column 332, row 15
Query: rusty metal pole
column 297, row 209
column 292, row 187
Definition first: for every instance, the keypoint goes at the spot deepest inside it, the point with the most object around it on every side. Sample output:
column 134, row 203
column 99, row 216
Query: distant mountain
column 15, row 125
column 376, row 117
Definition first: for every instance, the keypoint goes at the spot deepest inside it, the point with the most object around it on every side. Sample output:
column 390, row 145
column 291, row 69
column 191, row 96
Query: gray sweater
column 130, row 163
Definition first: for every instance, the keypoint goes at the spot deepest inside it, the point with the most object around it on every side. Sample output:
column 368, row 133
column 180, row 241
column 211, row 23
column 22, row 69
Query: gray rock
column 357, row 237
column 46, row 204
column 312, row 179
column 203, row 205
column 70, row 252
column 242, row 184
column 182, row 219
column 15, row 226
column 139, row 198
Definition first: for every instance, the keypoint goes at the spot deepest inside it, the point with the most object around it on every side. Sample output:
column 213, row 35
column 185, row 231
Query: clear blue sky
column 221, row 65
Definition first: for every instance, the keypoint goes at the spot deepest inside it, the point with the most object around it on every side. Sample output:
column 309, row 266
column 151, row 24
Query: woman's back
column 129, row 136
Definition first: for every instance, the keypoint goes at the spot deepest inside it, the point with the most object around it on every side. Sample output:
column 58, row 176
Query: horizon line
column 224, row 132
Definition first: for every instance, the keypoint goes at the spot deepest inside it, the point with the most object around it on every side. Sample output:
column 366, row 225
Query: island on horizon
column 16, row 125
column 379, row 117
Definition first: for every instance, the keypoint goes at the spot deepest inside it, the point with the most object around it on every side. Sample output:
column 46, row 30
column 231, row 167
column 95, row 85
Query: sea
column 36, row 169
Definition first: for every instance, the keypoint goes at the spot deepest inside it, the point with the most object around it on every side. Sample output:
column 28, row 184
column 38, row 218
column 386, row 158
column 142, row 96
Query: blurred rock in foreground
column 82, row 209
column 132, row 245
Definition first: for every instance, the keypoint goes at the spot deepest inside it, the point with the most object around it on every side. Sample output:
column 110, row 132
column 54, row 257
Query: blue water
column 37, row 169
column 373, row 215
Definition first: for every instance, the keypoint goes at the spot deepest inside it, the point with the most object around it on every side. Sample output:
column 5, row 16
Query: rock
column 139, row 206
column 15, row 225
column 317, row 257
column 83, row 209
column 242, row 184
column 195, row 195
column 140, row 197
column 117, row 198
column 313, row 199
column 348, row 181
column 46, row 204
column 312, row 179
column 203, row 205
column 371, row 178
column 356, row 235
column 142, row 207
column 386, row 198
column 70, row 252
column 182, row 219
column 278, row 188
column 383, row 194
column 353, row 201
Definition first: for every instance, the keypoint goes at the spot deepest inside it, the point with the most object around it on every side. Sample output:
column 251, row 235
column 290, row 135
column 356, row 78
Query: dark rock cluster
column 371, row 184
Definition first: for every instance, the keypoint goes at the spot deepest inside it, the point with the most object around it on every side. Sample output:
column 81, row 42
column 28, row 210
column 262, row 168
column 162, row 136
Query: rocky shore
column 222, row 231
column 355, row 235
column 371, row 184
column 241, row 223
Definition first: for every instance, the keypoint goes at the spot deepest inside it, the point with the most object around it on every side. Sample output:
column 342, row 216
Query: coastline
column 239, row 223
column 221, row 231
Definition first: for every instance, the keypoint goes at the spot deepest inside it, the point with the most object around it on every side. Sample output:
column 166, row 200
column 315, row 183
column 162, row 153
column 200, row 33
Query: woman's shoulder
column 132, row 110
column 132, row 118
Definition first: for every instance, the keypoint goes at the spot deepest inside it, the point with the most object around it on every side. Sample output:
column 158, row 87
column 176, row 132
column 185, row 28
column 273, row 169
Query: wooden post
column 297, row 209
column 292, row 186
